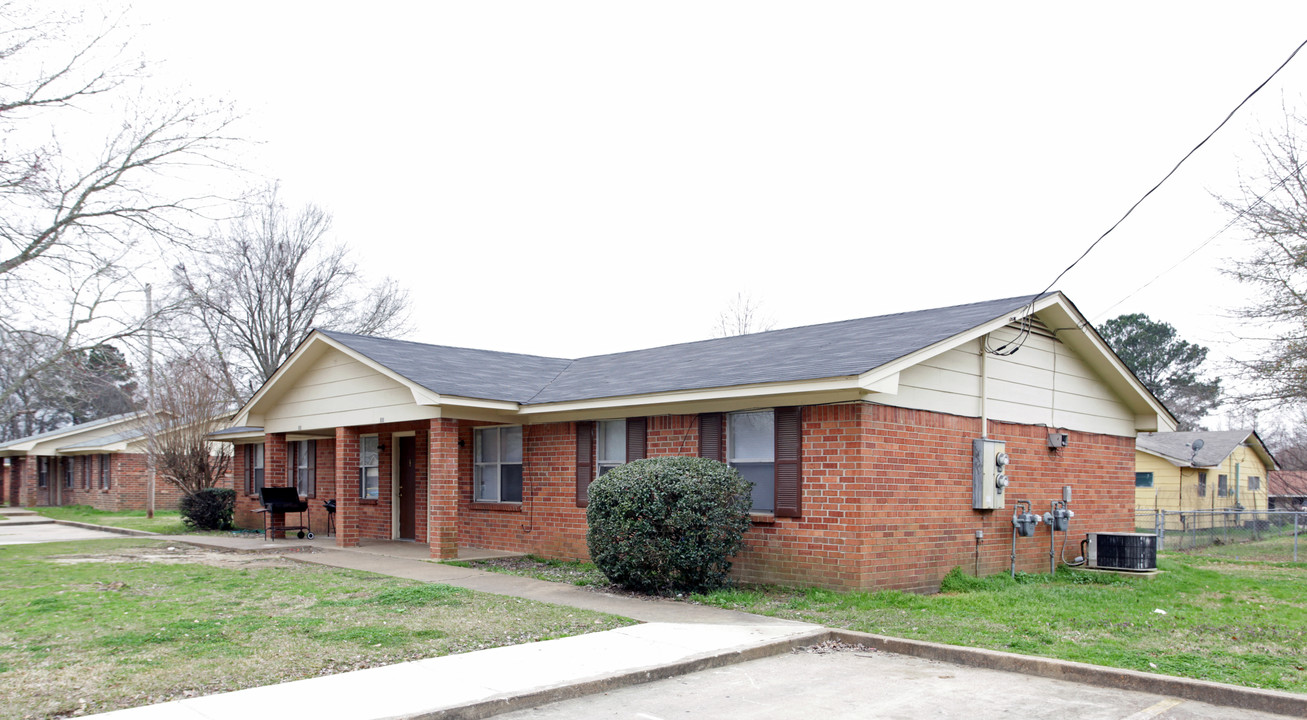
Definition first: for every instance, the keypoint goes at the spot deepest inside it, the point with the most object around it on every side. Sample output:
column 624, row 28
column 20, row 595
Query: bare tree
column 271, row 277
column 190, row 403
column 90, row 170
column 1272, row 209
column 742, row 316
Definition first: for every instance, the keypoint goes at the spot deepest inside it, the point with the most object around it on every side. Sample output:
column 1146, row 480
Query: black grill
column 279, row 502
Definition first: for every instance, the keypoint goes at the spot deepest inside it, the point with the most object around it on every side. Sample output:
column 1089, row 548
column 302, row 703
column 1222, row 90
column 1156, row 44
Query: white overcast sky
column 574, row 178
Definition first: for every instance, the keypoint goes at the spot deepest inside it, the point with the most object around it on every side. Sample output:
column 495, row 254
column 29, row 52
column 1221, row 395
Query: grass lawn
column 1235, row 622
column 165, row 522
column 94, row 626
column 581, row 574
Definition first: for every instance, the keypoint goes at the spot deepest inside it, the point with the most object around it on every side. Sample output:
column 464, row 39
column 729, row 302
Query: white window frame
column 603, row 461
column 481, row 468
column 256, row 473
column 42, row 471
column 375, row 468
column 735, row 461
column 306, row 468
column 106, row 471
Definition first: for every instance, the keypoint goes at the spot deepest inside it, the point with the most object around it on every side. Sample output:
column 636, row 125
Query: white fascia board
column 114, row 447
column 507, row 406
column 874, row 382
column 842, row 386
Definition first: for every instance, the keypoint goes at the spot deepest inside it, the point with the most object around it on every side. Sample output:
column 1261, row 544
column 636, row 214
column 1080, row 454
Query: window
column 751, row 449
column 370, row 467
column 254, row 468
column 1254, row 482
column 42, row 471
column 306, row 467
column 612, row 445
column 105, row 471
column 1222, row 485
column 498, row 468
column 1143, row 479
column 68, row 473
column 1202, row 484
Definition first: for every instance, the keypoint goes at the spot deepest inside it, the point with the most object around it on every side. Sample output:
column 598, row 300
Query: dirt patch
column 178, row 554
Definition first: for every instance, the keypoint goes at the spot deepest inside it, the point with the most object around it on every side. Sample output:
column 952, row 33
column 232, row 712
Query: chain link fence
column 1270, row 535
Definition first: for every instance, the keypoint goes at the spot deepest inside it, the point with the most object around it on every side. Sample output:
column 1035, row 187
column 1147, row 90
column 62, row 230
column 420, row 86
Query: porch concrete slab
column 480, row 683
column 17, row 512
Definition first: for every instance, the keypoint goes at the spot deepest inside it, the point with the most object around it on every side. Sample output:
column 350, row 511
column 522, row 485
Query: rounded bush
column 668, row 524
column 208, row 509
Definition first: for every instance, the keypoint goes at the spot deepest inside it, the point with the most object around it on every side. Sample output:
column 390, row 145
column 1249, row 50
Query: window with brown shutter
column 789, row 460
column 637, row 438
column 585, row 433
column 710, row 436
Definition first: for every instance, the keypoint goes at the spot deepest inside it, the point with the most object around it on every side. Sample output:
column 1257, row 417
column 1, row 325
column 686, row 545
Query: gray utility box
column 989, row 462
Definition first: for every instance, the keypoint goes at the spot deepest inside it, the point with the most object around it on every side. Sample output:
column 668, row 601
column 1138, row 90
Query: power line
column 1166, row 177
column 1260, row 199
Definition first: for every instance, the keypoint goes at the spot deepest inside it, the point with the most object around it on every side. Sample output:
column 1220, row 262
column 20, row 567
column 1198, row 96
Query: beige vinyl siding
column 1042, row 383
column 48, row 447
column 339, row 391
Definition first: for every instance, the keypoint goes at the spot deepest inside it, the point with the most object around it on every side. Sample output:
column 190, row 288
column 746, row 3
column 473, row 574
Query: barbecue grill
column 283, row 501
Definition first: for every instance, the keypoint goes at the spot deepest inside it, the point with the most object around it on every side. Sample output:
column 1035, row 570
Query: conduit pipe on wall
column 984, row 389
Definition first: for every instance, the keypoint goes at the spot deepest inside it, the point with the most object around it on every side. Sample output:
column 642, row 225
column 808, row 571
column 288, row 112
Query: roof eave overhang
column 715, row 399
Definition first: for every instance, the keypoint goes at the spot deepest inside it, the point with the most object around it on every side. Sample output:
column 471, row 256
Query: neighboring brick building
column 858, row 436
column 101, row 463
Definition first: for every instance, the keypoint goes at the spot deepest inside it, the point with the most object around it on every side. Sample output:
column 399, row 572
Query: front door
column 407, row 489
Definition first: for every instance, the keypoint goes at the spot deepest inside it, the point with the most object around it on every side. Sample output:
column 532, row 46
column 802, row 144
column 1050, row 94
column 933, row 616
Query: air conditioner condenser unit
column 1135, row 552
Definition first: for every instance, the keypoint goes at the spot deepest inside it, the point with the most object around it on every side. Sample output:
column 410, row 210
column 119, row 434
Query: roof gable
column 831, row 362
column 68, row 435
column 1177, row 447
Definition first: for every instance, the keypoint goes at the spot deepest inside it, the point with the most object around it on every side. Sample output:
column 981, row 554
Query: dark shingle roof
column 462, row 372
column 1217, row 445
column 837, row 349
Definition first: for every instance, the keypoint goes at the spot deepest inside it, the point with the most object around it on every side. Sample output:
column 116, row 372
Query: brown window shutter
column 710, row 436
column 789, row 457
column 637, row 435
column 585, row 440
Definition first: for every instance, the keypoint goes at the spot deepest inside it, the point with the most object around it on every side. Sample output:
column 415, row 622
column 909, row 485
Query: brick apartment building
column 858, row 436
column 101, row 463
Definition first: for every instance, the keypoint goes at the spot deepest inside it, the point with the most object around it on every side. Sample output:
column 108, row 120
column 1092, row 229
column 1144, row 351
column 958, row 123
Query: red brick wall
column 886, row 498
column 886, row 495
column 128, row 484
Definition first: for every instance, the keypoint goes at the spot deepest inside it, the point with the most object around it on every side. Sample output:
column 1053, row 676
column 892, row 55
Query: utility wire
column 1260, row 199
column 1030, row 306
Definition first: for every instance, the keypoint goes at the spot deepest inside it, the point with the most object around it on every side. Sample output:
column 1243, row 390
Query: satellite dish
column 1198, row 444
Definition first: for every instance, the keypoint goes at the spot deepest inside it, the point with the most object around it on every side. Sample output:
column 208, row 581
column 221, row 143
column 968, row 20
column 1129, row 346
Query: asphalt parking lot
column 870, row 684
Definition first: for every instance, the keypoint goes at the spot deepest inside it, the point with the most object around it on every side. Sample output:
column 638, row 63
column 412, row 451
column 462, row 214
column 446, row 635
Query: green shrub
column 208, row 509
column 668, row 524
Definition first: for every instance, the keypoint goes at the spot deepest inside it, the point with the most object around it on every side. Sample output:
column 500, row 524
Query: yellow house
column 1227, row 472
